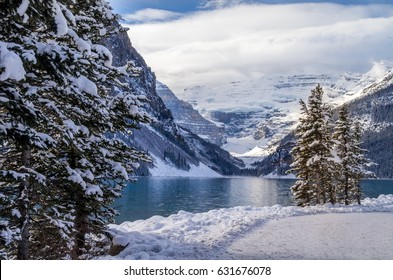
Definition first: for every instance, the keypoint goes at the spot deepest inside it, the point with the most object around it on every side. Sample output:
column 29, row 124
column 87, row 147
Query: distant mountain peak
column 379, row 69
column 260, row 112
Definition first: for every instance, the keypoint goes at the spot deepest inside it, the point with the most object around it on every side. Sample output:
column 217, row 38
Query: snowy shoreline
column 209, row 235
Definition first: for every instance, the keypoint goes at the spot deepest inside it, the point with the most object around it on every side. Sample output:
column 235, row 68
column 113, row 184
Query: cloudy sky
column 209, row 42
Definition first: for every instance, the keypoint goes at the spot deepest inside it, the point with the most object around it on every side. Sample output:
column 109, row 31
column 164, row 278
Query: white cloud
column 151, row 15
column 218, row 4
column 249, row 41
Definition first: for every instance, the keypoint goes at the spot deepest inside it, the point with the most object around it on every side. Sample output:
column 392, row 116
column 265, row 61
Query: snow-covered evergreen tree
column 351, row 162
column 328, row 159
column 60, row 168
column 301, row 154
column 312, row 155
column 343, row 148
column 360, row 162
column 18, row 126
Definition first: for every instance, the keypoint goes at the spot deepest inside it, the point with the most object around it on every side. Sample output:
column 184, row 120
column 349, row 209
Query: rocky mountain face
column 189, row 118
column 375, row 110
column 172, row 147
column 373, row 107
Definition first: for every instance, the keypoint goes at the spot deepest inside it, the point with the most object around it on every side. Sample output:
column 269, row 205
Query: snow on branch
column 11, row 65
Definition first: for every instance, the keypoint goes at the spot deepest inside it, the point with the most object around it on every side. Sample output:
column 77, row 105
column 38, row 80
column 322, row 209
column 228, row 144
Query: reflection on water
column 166, row 196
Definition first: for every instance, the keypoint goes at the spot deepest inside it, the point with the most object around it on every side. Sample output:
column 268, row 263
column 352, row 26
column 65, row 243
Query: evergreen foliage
column 312, row 158
column 351, row 161
column 328, row 159
column 59, row 169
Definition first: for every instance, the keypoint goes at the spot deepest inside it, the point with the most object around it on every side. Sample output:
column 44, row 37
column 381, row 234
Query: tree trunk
column 81, row 214
column 318, row 187
column 358, row 191
column 80, row 225
column 332, row 195
column 23, row 208
column 346, row 190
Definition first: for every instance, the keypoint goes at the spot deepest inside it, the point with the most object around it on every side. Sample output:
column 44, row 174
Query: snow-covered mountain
column 256, row 114
column 175, row 150
column 375, row 110
column 373, row 107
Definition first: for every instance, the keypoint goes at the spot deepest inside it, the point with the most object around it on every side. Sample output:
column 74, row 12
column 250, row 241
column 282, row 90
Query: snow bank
column 255, row 152
column 165, row 169
column 208, row 235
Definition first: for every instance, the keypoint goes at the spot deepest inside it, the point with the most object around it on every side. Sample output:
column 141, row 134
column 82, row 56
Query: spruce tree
column 19, row 121
column 351, row 162
column 300, row 155
column 329, row 167
column 312, row 154
column 360, row 162
column 61, row 166
column 343, row 147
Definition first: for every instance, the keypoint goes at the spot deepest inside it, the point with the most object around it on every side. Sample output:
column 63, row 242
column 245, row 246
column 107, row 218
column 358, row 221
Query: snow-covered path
column 276, row 232
column 325, row 236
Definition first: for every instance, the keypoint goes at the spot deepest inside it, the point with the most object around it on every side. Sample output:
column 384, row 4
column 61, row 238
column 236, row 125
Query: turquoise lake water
column 151, row 196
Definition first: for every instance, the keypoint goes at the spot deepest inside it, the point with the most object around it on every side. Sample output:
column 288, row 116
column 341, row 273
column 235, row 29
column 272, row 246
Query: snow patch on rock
column 165, row 169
